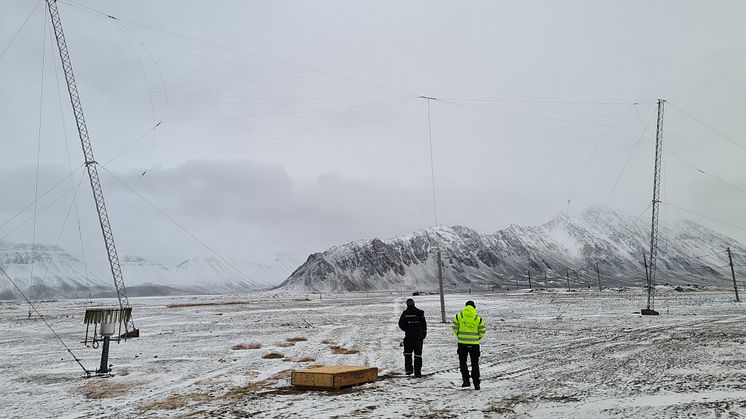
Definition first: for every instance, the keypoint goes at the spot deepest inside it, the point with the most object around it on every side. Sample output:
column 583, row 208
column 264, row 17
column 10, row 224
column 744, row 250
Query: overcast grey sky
column 293, row 126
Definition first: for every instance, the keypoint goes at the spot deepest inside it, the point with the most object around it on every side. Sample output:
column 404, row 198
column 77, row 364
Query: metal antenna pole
column 435, row 209
column 650, row 308
column 90, row 164
column 733, row 273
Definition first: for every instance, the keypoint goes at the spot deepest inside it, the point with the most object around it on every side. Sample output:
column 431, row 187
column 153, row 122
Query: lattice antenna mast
column 656, row 201
column 90, row 163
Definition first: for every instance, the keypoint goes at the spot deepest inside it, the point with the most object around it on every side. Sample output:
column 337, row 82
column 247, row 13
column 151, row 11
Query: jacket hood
column 469, row 311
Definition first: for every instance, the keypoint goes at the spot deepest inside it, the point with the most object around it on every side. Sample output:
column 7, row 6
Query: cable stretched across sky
column 234, row 49
column 590, row 155
column 20, row 29
column 704, row 216
column 706, row 125
column 180, row 226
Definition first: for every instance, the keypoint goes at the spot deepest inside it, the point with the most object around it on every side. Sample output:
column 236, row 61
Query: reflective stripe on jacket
column 468, row 326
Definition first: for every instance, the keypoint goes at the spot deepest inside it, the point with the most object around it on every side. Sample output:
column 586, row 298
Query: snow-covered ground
column 555, row 354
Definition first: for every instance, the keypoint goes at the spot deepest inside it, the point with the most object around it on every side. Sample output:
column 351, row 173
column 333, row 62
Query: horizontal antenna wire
column 543, row 102
column 227, row 262
column 703, row 216
column 708, row 126
column 218, row 45
column 5, row 274
column 703, row 172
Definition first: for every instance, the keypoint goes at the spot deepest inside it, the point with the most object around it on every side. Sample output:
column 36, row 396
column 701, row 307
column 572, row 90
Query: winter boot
column 466, row 384
column 476, row 385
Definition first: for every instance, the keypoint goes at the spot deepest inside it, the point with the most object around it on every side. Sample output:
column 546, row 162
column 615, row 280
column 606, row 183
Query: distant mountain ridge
column 564, row 246
column 58, row 274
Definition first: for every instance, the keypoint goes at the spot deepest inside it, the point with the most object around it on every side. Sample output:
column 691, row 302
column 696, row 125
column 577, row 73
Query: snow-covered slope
column 565, row 246
column 55, row 273
column 231, row 274
column 46, row 272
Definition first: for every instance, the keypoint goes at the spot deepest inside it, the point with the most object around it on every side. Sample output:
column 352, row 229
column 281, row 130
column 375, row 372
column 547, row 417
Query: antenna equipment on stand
column 109, row 319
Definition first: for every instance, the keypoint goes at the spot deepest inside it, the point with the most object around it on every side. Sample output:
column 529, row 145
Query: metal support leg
column 104, row 368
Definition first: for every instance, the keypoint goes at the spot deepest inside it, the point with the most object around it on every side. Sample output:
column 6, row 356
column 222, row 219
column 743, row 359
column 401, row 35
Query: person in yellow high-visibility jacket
column 469, row 329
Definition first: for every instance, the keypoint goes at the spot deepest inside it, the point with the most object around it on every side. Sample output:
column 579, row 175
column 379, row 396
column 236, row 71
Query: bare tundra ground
column 546, row 354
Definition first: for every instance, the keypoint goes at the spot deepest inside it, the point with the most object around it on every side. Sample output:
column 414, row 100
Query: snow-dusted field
column 556, row 354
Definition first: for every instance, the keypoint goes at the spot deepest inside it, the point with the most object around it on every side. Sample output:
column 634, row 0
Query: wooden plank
column 348, row 378
column 309, row 379
column 334, row 369
column 333, row 377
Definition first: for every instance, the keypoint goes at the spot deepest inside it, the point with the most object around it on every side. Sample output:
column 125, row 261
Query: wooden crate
column 333, row 378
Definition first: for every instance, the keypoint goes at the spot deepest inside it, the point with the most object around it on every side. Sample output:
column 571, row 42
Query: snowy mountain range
column 56, row 273
column 565, row 249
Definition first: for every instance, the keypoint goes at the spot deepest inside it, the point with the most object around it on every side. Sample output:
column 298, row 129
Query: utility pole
column 440, row 283
column 567, row 275
column 546, row 287
column 91, row 165
column 650, row 308
column 598, row 272
column 529, row 280
column 733, row 273
column 435, row 207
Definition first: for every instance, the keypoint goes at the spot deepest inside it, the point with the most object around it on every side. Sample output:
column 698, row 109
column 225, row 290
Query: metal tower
column 650, row 308
column 90, row 163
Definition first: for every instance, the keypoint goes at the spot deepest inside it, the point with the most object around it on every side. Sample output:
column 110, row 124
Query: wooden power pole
column 440, row 284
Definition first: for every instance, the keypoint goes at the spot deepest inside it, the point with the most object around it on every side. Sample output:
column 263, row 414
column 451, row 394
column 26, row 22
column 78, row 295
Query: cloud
column 255, row 156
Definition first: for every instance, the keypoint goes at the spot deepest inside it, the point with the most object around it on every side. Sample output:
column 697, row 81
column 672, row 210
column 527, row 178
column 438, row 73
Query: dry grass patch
column 177, row 401
column 103, row 389
column 238, row 393
column 343, row 351
column 284, row 374
column 285, row 344
column 242, row 346
column 306, row 359
column 328, row 342
column 273, row 355
column 296, row 339
column 214, row 381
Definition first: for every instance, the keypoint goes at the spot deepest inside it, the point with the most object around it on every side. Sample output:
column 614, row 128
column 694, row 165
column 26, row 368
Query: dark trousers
column 472, row 351
column 413, row 345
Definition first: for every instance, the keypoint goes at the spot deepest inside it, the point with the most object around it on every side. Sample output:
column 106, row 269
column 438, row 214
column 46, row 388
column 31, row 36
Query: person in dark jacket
column 412, row 322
